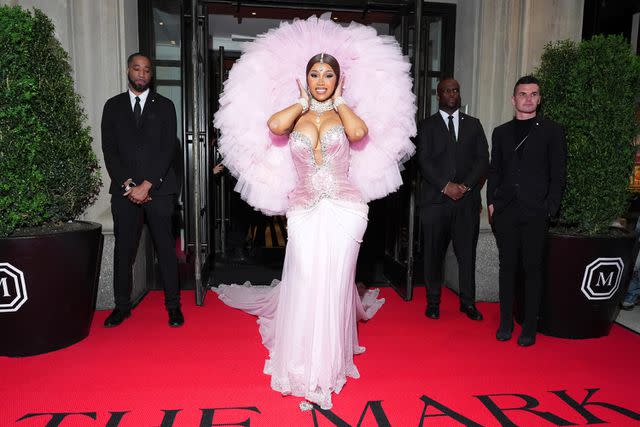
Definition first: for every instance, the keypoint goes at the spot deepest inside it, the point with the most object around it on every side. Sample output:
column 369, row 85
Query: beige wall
column 498, row 41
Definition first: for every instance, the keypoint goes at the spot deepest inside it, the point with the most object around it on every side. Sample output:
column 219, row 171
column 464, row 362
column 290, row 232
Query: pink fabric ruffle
column 378, row 87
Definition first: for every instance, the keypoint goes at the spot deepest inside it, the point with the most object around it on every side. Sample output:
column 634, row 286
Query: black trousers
column 522, row 240
column 457, row 222
column 128, row 219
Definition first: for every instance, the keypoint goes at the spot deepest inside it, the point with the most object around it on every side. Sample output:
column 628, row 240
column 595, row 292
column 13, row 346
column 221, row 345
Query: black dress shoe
column 432, row 312
column 526, row 340
column 176, row 319
column 471, row 311
column 116, row 317
column 503, row 334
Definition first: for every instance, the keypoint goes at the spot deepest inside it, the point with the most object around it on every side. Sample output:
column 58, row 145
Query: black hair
column 526, row 80
column 327, row 59
column 135, row 54
column 444, row 79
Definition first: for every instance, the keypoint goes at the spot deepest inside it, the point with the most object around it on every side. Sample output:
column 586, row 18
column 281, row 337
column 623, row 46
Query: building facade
column 496, row 41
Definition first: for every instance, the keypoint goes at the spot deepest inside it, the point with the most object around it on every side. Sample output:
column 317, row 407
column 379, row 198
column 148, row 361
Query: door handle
column 201, row 136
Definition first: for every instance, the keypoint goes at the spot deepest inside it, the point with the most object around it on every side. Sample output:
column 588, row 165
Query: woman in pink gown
column 319, row 163
column 308, row 320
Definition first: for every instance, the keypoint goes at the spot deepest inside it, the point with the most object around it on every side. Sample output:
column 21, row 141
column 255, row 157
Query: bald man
column 453, row 158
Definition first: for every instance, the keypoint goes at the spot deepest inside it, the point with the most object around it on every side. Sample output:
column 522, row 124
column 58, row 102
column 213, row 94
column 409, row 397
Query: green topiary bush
column 48, row 171
column 592, row 88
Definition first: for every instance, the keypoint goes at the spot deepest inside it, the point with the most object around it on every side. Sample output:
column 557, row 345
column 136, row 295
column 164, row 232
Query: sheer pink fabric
column 308, row 320
column 378, row 89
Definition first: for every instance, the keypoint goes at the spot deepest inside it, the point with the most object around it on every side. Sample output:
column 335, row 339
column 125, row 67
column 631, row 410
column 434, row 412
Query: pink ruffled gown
column 308, row 320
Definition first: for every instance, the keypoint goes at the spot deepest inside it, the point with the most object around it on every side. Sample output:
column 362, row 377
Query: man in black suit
column 139, row 145
column 453, row 158
column 526, row 181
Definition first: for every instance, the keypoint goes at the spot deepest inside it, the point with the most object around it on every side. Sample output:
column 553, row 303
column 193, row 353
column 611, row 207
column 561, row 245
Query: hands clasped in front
column 303, row 92
column 138, row 194
column 455, row 191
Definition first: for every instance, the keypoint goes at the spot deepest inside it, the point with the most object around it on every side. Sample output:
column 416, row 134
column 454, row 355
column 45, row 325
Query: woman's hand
column 303, row 92
column 354, row 126
column 283, row 121
column 339, row 87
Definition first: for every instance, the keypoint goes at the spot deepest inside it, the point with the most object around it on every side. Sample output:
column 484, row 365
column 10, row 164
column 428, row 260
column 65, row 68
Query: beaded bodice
column 327, row 179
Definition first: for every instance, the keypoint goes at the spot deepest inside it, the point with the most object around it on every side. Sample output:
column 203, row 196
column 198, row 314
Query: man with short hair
column 139, row 137
column 453, row 158
column 527, row 177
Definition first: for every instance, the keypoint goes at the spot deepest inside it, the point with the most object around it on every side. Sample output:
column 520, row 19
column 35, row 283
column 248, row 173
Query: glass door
column 161, row 38
column 248, row 245
column 429, row 42
column 178, row 49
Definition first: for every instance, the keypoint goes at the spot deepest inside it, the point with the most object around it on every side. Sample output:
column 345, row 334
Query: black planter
column 587, row 279
column 48, row 286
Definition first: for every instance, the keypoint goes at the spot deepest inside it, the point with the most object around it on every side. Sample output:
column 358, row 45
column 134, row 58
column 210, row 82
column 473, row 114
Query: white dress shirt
column 456, row 120
column 143, row 99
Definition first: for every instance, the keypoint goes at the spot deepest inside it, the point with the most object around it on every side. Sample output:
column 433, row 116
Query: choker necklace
column 320, row 107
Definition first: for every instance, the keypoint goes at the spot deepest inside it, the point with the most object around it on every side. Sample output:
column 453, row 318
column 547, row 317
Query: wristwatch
column 129, row 186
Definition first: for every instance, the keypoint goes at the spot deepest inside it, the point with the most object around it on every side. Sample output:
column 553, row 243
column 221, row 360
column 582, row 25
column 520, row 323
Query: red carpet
column 145, row 374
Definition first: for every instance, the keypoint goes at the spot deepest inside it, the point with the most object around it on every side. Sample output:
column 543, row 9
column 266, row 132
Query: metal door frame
column 198, row 139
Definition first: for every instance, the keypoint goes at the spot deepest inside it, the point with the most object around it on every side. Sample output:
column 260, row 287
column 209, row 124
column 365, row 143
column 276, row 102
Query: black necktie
column 452, row 130
column 137, row 111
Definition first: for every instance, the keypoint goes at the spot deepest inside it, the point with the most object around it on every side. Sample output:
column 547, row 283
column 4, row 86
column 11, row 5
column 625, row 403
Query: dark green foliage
column 591, row 88
column 48, row 171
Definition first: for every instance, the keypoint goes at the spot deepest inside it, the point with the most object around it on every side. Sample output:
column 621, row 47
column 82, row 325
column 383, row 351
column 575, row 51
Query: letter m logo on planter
column 13, row 290
column 602, row 278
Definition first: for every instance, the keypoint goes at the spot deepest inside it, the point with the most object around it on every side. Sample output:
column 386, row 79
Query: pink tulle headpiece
column 378, row 88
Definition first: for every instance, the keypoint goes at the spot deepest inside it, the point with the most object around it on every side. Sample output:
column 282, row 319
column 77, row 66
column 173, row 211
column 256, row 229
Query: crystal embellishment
column 320, row 107
column 306, row 406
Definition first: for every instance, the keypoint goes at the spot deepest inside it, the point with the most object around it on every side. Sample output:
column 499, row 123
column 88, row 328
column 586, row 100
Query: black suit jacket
column 144, row 152
column 536, row 178
column 442, row 160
